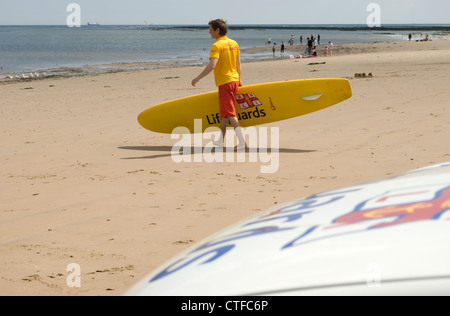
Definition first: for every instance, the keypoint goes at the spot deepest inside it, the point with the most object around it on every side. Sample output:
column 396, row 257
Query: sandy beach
column 81, row 182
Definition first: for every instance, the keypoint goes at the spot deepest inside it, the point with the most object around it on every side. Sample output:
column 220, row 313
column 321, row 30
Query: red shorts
column 226, row 99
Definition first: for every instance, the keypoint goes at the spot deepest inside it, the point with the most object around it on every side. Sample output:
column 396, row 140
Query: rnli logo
column 247, row 100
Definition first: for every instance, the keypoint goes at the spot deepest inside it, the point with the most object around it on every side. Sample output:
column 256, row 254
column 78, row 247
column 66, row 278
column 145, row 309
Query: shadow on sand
column 194, row 150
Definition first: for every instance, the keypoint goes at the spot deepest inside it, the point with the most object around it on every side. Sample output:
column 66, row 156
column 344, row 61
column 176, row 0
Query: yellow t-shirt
column 226, row 51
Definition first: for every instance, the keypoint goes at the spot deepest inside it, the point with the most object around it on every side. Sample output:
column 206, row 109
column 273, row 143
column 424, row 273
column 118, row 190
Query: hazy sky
column 51, row 12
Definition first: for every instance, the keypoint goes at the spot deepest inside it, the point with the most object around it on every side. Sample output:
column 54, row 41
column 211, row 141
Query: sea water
column 31, row 48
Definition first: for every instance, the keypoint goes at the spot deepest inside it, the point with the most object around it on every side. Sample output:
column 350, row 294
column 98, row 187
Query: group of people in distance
column 311, row 46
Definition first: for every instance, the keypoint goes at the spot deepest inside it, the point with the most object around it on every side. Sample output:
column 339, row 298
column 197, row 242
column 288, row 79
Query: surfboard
column 255, row 105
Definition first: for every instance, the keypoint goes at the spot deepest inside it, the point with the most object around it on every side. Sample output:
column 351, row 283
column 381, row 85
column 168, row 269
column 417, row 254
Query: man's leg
column 224, row 125
column 238, row 130
column 223, row 128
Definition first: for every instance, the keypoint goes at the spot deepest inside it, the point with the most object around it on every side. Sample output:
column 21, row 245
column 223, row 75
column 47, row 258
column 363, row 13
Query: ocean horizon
column 38, row 48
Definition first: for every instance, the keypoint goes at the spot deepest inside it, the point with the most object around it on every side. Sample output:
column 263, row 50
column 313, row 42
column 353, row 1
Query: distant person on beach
column 301, row 39
column 269, row 40
column 410, row 37
column 282, row 49
column 330, row 48
column 309, row 46
column 318, row 39
column 225, row 60
column 427, row 38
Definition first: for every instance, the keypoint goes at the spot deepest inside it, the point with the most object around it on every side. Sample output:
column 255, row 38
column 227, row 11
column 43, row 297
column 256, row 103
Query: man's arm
column 210, row 67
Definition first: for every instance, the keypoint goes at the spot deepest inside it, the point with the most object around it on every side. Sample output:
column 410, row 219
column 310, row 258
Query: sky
column 168, row 12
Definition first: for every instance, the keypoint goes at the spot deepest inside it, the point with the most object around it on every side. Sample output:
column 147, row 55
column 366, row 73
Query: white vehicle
column 390, row 237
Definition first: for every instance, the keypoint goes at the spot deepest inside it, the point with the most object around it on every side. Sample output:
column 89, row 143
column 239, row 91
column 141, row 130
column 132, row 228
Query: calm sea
column 35, row 48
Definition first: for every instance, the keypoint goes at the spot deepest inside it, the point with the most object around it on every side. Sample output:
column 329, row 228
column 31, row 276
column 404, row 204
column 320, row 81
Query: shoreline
column 253, row 54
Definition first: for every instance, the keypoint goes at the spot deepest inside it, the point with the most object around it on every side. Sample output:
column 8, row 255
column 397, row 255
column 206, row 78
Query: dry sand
column 81, row 182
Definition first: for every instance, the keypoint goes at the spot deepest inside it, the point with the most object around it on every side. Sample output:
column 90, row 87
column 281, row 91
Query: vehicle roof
column 384, row 237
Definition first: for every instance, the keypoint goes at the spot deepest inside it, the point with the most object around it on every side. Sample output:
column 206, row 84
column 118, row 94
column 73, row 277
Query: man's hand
column 195, row 81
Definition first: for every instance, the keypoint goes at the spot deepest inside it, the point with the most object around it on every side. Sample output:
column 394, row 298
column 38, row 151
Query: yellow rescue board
column 255, row 104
